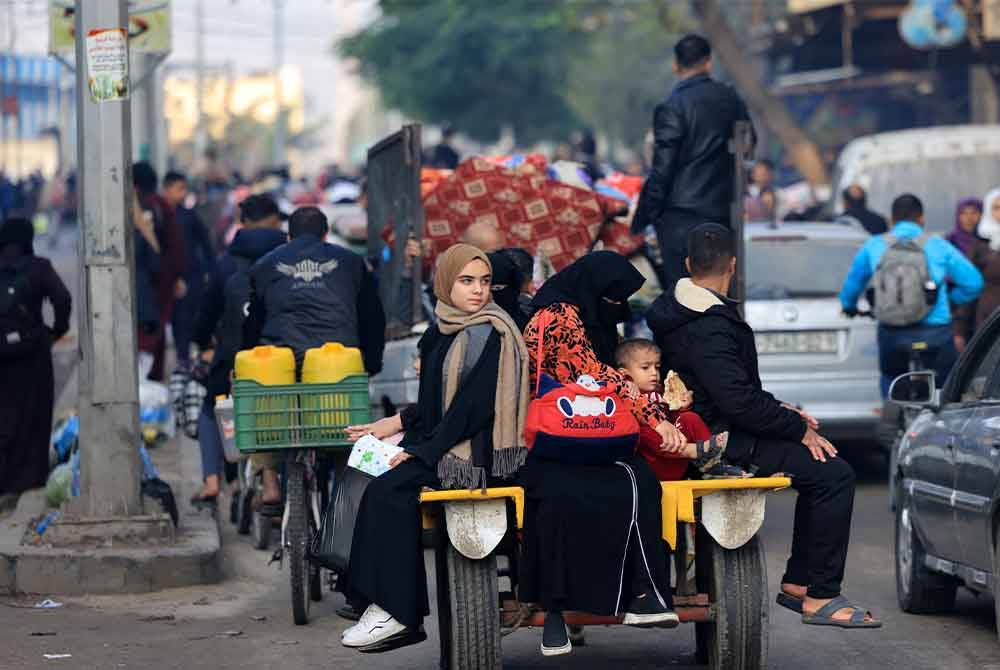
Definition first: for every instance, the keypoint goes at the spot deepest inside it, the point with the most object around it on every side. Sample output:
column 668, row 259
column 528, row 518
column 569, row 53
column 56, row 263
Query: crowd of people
column 495, row 344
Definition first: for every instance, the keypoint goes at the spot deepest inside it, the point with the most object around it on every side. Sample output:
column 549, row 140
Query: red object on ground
column 532, row 211
column 671, row 467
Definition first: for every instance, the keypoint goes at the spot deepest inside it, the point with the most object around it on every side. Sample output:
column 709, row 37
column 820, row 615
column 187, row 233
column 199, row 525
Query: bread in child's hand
column 676, row 394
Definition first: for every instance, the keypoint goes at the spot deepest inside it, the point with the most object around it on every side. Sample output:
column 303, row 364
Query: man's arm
column 965, row 278
column 668, row 133
column 737, row 396
column 857, row 279
column 371, row 323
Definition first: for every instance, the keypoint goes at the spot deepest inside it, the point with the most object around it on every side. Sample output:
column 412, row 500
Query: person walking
column 917, row 278
column 709, row 345
column 856, row 207
column 200, row 261
column 692, row 175
column 963, row 236
column 986, row 256
column 218, row 330
column 26, row 383
column 172, row 262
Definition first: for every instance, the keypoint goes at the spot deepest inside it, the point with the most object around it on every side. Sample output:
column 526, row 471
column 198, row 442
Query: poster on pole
column 107, row 64
column 149, row 26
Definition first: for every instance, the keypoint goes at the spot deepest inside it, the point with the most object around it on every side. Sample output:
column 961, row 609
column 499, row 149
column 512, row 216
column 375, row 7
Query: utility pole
column 109, row 412
column 200, row 141
column 278, row 142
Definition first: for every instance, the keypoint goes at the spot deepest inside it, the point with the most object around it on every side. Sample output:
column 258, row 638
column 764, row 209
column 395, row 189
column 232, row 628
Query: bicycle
column 300, row 420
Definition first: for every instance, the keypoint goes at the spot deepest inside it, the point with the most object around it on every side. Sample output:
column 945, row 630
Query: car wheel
column 918, row 589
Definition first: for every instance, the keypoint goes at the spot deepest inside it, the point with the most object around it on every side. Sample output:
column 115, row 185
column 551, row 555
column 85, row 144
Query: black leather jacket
column 692, row 168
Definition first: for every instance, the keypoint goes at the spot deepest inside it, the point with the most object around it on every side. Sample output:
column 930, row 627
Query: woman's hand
column 674, row 441
column 380, row 429
column 401, row 457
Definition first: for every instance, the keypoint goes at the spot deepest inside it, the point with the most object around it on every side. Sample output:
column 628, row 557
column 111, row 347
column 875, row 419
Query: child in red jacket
column 640, row 360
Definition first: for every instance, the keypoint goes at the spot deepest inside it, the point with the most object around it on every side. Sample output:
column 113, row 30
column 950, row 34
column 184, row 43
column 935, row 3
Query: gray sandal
column 824, row 615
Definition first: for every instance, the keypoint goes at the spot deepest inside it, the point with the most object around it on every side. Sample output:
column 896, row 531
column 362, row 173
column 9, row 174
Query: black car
column 945, row 480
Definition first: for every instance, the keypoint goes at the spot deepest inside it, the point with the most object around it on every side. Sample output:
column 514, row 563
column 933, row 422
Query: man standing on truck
column 692, row 177
column 307, row 293
column 916, row 279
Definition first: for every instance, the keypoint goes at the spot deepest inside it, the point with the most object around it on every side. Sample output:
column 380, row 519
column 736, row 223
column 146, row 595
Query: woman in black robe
column 26, row 383
column 592, row 532
column 461, row 434
column 506, row 287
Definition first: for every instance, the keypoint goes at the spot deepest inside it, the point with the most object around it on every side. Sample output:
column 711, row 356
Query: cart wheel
column 315, row 582
column 473, row 593
column 260, row 530
column 297, row 541
column 736, row 581
column 244, row 494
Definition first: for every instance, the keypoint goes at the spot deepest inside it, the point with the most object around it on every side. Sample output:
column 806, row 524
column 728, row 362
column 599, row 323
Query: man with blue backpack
column 915, row 278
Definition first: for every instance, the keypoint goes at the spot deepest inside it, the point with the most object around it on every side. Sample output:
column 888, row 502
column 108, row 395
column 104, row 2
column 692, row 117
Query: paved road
column 131, row 632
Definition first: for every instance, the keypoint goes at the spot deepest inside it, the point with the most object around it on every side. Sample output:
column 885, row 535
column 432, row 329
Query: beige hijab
column 509, row 450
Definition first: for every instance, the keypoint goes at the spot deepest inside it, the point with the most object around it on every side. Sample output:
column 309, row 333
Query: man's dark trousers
column 672, row 233
column 822, row 512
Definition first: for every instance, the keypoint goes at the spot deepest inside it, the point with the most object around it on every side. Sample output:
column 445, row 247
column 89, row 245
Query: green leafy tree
column 480, row 64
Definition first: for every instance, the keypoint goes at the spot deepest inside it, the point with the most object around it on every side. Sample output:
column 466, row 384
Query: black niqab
column 507, row 280
column 586, row 282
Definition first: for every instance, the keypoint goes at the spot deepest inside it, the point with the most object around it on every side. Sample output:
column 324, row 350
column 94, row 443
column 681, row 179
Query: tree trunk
column 767, row 108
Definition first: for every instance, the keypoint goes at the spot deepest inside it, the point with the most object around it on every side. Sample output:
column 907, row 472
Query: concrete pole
column 200, row 139
column 278, row 142
column 109, row 412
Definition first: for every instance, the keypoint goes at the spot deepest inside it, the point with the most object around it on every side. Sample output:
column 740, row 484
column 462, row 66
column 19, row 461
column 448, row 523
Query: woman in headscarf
column 581, row 552
column 986, row 256
column 967, row 215
column 464, row 433
column 506, row 287
column 26, row 384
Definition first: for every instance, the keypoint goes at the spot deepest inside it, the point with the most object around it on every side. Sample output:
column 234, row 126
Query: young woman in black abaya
column 463, row 433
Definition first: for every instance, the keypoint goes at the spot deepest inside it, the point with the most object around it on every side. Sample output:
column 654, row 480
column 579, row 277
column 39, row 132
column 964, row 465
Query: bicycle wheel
column 297, row 540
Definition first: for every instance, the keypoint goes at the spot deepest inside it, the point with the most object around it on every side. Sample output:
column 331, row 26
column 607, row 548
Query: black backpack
column 229, row 335
column 21, row 332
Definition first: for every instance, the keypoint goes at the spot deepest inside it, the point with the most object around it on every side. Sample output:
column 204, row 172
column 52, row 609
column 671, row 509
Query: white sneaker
column 375, row 625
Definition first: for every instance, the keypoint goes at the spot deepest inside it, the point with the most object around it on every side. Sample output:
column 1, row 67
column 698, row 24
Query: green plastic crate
column 298, row 416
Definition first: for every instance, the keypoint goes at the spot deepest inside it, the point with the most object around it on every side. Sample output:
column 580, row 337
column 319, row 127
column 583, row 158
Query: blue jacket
column 947, row 266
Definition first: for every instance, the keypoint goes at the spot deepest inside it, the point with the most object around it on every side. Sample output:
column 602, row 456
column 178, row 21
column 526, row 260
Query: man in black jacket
column 307, row 293
column 706, row 342
column 219, row 326
column 691, row 179
column 856, row 206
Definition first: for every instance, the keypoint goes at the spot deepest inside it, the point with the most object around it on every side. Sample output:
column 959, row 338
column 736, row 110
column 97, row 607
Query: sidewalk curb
column 195, row 557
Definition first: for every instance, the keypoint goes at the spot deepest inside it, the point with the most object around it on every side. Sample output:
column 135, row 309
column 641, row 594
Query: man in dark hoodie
column 219, row 326
column 705, row 340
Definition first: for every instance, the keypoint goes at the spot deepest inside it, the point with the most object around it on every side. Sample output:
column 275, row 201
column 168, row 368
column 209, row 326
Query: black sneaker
column 646, row 611
column 555, row 639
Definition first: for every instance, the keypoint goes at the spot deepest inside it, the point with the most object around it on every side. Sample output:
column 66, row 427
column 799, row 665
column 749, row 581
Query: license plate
column 797, row 342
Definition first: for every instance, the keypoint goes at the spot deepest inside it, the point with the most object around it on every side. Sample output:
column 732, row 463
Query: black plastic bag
column 332, row 548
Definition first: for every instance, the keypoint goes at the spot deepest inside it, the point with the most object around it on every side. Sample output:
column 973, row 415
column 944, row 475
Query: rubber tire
column 315, row 582
column 736, row 581
column 297, row 539
column 474, row 599
column 260, row 530
column 245, row 514
column 927, row 592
